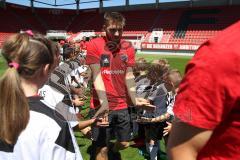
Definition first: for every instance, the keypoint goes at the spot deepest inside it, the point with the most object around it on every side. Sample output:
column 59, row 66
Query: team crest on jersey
column 124, row 57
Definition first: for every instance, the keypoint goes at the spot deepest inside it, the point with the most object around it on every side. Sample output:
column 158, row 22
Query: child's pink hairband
column 14, row 65
column 29, row 32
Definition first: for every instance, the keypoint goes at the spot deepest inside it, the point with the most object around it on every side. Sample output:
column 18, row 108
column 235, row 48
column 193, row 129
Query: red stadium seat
column 16, row 18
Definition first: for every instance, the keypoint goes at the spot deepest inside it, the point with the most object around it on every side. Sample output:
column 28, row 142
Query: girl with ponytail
column 30, row 129
column 26, row 58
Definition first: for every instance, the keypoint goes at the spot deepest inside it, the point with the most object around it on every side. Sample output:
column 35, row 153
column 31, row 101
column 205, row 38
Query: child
column 142, row 89
column 31, row 59
column 57, row 92
column 156, row 95
column 171, row 82
column 173, row 79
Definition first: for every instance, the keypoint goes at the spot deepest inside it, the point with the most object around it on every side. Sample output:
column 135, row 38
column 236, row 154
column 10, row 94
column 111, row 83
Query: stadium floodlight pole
column 3, row 3
column 100, row 5
column 77, row 5
column 191, row 3
column 127, row 3
column 32, row 5
column 157, row 3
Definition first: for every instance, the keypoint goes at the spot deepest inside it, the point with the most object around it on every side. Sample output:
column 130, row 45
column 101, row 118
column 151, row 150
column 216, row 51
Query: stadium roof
column 71, row 4
column 88, row 4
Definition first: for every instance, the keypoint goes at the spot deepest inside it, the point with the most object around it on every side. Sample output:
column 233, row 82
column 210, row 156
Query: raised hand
column 167, row 129
column 102, row 122
column 144, row 104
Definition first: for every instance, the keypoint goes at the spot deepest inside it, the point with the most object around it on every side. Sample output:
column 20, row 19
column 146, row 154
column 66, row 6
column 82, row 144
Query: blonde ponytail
column 14, row 110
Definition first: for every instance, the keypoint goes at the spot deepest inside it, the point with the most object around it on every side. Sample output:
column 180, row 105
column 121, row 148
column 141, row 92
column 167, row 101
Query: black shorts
column 119, row 128
column 154, row 131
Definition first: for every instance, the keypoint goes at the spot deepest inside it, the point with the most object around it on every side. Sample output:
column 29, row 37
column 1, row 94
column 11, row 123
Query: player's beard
column 117, row 40
column 113, row 44
column 114, row 39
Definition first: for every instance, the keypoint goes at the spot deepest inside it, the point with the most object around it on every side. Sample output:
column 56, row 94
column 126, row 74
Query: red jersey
column 209, row 95
column 113, row 71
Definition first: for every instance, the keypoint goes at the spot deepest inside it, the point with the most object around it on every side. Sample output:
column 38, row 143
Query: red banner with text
column 169, row 46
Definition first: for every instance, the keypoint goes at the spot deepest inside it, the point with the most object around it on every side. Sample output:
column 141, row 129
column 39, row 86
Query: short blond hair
column 175, row 77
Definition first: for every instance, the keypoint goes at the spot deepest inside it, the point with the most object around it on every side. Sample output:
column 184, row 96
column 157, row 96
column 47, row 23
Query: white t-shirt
column 170, row 102
column 53, row 99
column 47, row 136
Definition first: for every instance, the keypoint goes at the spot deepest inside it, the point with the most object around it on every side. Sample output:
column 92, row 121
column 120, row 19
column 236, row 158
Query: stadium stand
column 182, row 26
column 54, row 19
column 3, row 36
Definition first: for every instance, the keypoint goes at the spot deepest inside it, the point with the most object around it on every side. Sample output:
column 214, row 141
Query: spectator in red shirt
column 111, row 60
column 208, row 102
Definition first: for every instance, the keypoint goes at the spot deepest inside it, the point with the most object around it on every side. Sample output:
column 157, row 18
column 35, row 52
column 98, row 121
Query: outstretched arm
column 186, row 141
column 100, row 89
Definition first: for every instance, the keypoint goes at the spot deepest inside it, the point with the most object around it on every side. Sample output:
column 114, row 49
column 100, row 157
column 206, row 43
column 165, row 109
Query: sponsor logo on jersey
column 116, row 72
